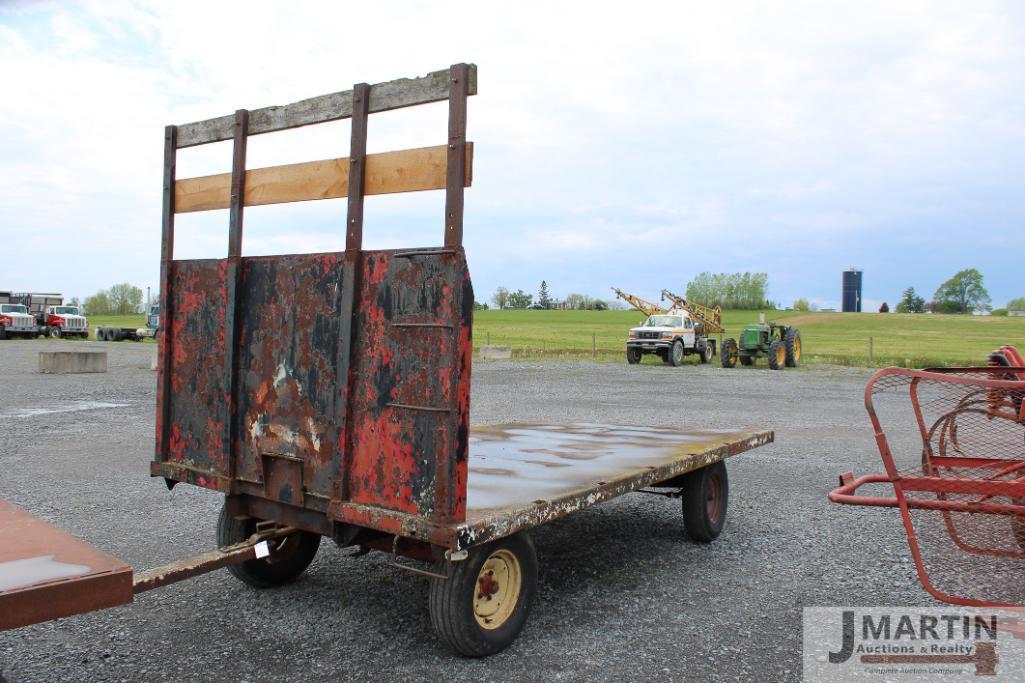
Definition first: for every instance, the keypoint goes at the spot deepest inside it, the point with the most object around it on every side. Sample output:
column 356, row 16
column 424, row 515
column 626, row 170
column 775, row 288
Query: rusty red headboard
column 337, row 382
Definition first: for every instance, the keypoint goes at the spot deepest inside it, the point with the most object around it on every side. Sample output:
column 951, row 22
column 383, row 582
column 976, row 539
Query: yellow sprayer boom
column 645, row 307
column 711, row 318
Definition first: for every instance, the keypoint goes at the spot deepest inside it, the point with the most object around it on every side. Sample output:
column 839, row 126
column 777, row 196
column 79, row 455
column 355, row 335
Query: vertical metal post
column 232, row 284
column 456, row 170
column 594, row 346
column 350, row 281
column 357, row 166
column 165, row 343
column 870, row 351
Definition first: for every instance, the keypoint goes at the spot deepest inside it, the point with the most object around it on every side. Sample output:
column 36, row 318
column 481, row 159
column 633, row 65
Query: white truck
column 672, row 335
column 15, row 321
column 683, row 330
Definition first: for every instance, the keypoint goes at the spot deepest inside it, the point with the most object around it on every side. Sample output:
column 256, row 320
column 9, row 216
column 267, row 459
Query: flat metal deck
column 46, row 573
column 524, row 475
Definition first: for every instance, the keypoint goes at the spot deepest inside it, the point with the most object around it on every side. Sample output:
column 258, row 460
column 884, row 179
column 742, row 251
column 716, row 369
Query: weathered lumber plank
column 404, row 92
column 409, row 170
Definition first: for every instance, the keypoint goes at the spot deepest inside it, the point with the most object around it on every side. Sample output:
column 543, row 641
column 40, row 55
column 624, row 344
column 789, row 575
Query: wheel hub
column 497, row 590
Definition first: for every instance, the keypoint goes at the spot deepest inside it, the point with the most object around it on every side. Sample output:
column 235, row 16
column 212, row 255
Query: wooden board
column 404, row 92
column 410, row 170
column 47, row 574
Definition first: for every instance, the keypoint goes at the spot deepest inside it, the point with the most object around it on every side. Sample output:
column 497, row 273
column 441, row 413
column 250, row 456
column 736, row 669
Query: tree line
column 503, row 299
column 963, row 293
column 120, row 299
column 735, row 291
column 744, row 291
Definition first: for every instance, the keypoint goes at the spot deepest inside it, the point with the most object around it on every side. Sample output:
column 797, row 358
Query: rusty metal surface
column 409, row 381
column 524, row 475
column 207, row 562
column 46, row 573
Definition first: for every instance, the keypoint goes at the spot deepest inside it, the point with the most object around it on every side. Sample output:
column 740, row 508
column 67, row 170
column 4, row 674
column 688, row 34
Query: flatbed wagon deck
column 523, row 475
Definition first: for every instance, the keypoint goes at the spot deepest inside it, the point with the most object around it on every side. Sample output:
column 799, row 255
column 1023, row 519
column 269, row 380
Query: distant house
column 1016, row 314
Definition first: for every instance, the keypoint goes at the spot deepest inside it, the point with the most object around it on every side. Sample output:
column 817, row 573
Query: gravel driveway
column 623, row 594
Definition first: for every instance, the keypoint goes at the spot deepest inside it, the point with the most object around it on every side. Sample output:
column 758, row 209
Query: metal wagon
column 328, row 395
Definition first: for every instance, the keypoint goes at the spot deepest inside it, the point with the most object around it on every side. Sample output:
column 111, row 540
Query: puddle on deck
column 33, row 570
column 512, row 465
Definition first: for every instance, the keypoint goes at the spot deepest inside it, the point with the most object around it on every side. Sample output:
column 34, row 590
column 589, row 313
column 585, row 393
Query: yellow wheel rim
column 797, row 349
column 781, row 356
column 497, row 590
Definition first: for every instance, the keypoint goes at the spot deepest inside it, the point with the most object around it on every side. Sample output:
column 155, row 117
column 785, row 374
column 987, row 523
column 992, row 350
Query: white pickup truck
column 15, row 321
column 672, row 335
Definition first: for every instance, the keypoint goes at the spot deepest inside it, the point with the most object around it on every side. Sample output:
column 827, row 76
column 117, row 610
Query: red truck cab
column 66, row 321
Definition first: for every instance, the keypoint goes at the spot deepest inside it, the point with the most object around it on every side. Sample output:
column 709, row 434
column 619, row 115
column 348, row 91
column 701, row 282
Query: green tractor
column 781, row 344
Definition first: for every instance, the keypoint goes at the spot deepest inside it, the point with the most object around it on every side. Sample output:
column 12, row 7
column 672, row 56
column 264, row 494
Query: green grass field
column 840, row 338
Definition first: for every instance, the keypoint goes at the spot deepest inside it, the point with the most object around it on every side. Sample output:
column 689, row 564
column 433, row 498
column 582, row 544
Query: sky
column 629, row 145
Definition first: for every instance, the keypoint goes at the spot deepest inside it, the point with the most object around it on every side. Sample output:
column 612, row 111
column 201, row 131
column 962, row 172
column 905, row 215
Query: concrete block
column 69, row 362
column 495, row 352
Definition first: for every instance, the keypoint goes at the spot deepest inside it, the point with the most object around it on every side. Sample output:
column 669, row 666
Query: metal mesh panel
column 955, row 448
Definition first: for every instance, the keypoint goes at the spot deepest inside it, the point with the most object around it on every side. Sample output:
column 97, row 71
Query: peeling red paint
column 408, row 381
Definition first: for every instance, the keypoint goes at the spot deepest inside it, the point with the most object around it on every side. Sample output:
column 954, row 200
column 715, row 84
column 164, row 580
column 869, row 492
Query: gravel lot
column 623, row 595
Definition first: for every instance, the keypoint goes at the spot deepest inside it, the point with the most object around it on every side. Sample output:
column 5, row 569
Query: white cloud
column 792, row 138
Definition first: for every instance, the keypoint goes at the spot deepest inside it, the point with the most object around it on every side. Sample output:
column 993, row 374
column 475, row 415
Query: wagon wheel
column 633, row 356
column 289, row 556
column 728, row 353
column 777, row 355
column 705, row 499
column 792, row 342
column 481, row 608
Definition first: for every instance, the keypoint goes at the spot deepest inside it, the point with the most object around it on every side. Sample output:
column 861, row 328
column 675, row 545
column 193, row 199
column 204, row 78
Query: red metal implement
column 952, row 442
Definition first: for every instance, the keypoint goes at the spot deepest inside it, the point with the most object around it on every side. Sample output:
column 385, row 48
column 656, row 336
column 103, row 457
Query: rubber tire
column 633, row 356
column 115, row 335
column 675, row 359
column 747, row 361
column 706, row 356
column 262, row 573
column 791, row 336
column 774, row 348
column 451, row 600
column 700, row 525
column 101, row 334
column 728, row 353
column 55, row 333
column 3, row 333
